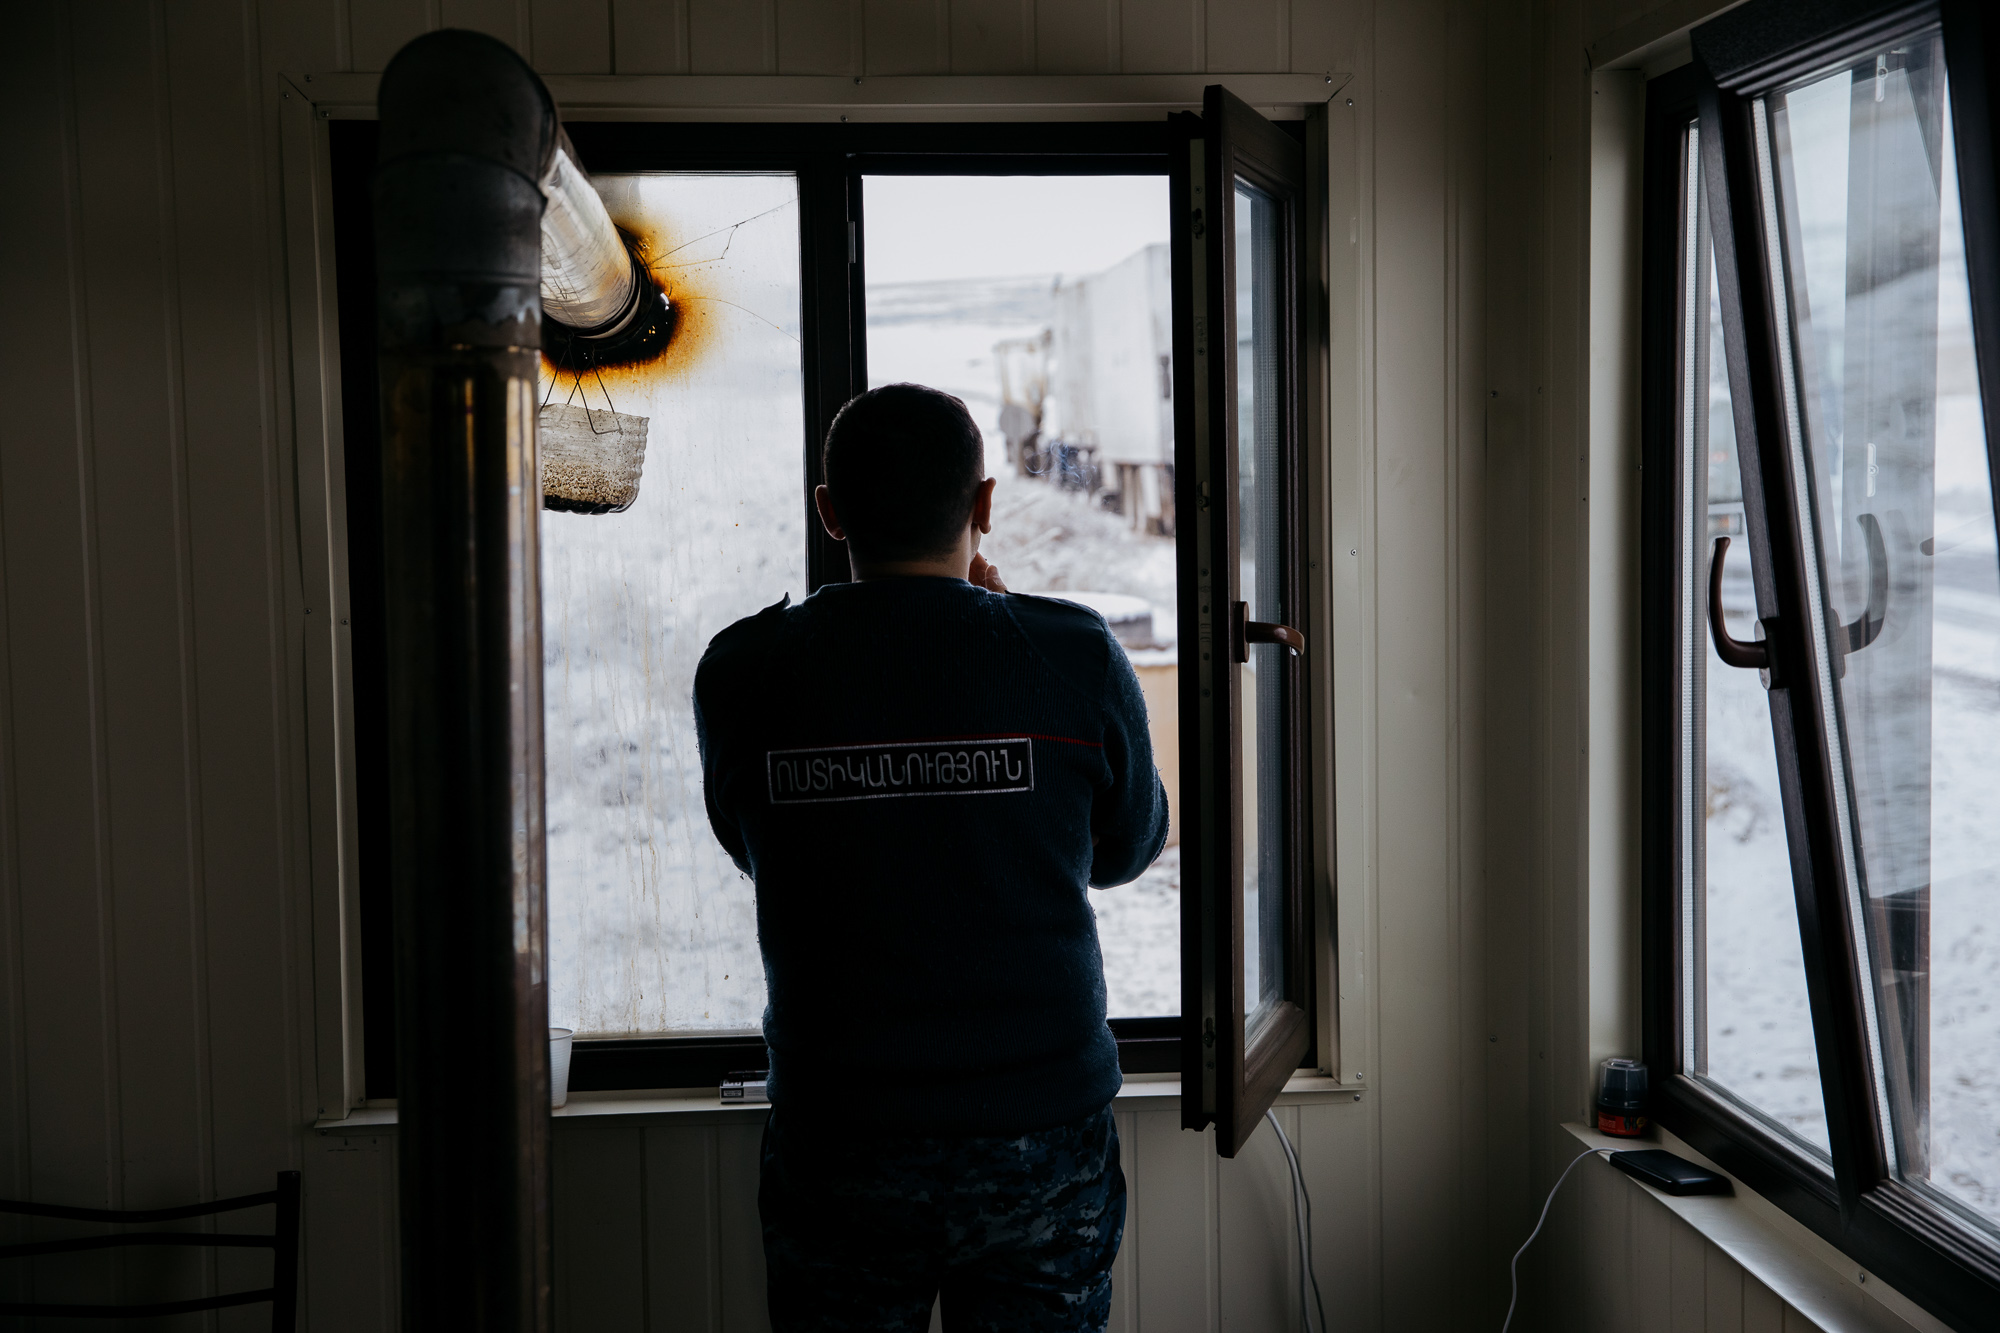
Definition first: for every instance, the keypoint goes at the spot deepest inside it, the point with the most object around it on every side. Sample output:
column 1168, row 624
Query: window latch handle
column 1866, row 626
column 1245, row 631
column 1754, row 655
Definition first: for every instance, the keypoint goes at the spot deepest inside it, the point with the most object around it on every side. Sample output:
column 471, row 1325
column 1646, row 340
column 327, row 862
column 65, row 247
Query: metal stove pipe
column 468, row 133
column 590, row 282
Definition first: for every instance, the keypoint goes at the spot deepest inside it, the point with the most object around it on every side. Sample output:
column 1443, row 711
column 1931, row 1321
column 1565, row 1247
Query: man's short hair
column 902, row 464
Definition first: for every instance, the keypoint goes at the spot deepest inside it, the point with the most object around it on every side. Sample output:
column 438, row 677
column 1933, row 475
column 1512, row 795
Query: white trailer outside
column 1110, row 383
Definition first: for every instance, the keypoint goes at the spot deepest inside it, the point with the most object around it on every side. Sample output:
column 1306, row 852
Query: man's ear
column 823, row 501
column 982, row 505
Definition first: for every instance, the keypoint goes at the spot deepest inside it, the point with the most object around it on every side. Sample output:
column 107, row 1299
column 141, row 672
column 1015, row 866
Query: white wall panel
column 1256, row 1246
column 683, row 1263
column 509, row 20
column 992, row 36
column 349, row 1274
column 739, row 1238
column 1176, row 1261
column 571, row 36
column 649, row 36
column 819, row 36
column 732, row 36
column 1076, row 36
column 600, row 1217
column 656, row 1227
column 1162, row 36
column 907, row 36
column 1248, row 36
column 60, row 1123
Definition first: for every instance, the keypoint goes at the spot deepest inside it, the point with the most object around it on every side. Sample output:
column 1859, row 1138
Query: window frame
column 1861, row 1208
column 1227, row 1079
column 828, row 161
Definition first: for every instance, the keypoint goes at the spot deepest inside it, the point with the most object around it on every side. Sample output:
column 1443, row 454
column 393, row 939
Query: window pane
column 1045, row 302
column 651, row 929
column 1259, row 298
column 1901, row 508
column 1747, row 1020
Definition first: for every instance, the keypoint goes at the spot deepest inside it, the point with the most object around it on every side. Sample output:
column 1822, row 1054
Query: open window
column 1248, row 971
column 1823, row 627
column 1039, row 272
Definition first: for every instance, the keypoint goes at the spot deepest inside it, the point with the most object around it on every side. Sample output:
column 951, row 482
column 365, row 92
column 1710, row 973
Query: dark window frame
column 1887, row 1227
column 1227, row 1079
column 828, row 160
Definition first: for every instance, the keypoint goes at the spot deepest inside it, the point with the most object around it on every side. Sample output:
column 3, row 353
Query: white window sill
column 1141, row 1091
column 1800, row 1268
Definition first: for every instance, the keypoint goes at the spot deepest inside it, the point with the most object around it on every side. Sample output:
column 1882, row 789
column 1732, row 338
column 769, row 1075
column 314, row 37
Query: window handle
column 1868, row 625
column 1245, row 631
column 1754, row 655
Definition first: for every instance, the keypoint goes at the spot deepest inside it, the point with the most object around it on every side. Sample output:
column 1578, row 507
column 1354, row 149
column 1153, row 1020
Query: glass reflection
column 1259, row 297
column 1901, row 507
column 1749, row 1022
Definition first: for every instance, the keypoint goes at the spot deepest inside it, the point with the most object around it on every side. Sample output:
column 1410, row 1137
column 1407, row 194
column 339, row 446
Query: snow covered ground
column 1760, row 1042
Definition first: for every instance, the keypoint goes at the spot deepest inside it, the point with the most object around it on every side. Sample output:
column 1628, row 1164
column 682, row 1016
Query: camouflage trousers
column 1013, row 1233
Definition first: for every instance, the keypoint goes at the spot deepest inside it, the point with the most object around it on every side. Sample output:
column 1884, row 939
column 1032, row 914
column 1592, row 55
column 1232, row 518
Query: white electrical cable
column 1513, row 1269
column 1302, row 1223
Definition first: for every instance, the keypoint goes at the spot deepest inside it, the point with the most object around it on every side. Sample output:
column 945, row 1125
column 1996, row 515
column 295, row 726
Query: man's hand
column 984, row 574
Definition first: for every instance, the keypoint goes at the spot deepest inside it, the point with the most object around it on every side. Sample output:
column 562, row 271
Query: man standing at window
column 924, row 775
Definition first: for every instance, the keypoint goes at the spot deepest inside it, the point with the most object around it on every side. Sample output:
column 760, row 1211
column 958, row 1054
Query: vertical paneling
column 571, row 36
column 60, row 1115
column 1723, row 1286
column 144, row 702
column 732, row 37
column 231, row 636
column 1607, row 1259
column 1161, row 36
column 992, row 36
column 506, row 19
column 601, row 1265
column 302, row 35
column 1652, row 1268
column 683, row 1265
column 1763, row 1312
column 1418, row 938
column 1256, row 1243
column 1687, row 1262
column 1174, row 1203
column 739, row 1237
column 818, row 36
column 137, row 460
column 1322, row 37
column 348, row 1279
column 1249, row 36
column 649, row 36
column 1076, row 36
column 1515, row 1068
column 1478, row 1124
column 1334, row 1143
column 664, row 1220
column 377, row 29
column 1124, row 1288
column 908, row 36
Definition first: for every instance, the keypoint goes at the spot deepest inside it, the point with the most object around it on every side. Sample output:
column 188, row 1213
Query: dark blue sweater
column 914, row 771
